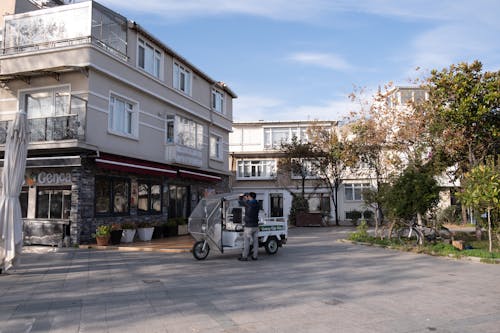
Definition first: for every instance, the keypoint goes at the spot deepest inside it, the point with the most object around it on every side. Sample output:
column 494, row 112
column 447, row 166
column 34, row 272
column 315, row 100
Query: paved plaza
column 313, row 284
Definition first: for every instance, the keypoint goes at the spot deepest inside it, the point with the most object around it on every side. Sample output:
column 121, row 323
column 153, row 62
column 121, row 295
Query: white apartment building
column 254, row 154
column 122, row 127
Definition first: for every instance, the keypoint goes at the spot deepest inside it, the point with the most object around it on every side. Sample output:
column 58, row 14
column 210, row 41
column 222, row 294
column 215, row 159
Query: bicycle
column 415, row 234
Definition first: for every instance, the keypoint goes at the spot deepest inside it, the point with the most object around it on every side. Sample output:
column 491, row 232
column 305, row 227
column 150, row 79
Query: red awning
column 120, row 163
column 199, row 176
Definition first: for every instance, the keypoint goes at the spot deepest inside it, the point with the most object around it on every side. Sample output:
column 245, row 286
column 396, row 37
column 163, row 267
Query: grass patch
column 479, row 248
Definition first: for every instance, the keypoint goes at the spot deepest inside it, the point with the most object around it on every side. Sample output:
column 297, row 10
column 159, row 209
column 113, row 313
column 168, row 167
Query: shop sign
column 48, row 178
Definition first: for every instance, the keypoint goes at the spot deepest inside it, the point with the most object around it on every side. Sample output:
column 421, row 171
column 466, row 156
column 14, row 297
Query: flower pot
column 145, row 234
column 102, row 240
column 158, row 232
column 116, row 236
column 182, row 229
column 128, row 235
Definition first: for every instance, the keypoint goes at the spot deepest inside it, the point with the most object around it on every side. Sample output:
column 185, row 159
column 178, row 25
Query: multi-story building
column 254, row 154
column 122, row 128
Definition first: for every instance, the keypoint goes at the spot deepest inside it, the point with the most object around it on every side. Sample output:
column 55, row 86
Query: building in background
column 122, row 127
column 254, row 154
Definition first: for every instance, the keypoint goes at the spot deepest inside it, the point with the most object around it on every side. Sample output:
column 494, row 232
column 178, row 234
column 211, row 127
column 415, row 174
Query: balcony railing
column 179, row 154
column 68, row 25
column 57, row 128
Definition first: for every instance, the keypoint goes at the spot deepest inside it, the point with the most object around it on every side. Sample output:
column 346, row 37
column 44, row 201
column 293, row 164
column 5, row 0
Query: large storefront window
column 149, row 201
column 53, row 202
column 178, row 201
column 112, row 196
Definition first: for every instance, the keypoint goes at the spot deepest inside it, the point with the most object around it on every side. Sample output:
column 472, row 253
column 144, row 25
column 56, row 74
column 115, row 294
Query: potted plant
column 128, row 232
column 102, row 234
column 182, row 227
column 145, row 231
column 171, row 227
column 354, row 216
column 158, row 232
column 116, row 234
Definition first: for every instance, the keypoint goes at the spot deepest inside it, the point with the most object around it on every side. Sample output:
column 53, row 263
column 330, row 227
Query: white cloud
column 325, row 60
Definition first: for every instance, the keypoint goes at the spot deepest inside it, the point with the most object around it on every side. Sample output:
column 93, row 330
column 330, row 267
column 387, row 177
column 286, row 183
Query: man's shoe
column 253, row 258
column 242, row 259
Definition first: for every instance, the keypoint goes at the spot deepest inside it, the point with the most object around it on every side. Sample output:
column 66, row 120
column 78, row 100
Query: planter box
column 145, row 234
column 182, row 229
column 128, row 235
column 158, row 232
column 309, row 220
column 102, row 240
column 116, row 236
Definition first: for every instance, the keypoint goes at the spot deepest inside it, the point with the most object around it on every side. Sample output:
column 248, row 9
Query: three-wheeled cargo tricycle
column 218, row 222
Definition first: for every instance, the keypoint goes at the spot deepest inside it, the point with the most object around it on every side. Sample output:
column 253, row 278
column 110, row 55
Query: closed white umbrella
column 16, row 150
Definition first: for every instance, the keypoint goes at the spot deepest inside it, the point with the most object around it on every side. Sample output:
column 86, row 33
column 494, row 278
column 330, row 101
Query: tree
column 295, row 155
column 464, row 104
column 481, row 190
column 412, row 194
column 294, row 162
column 329, row 160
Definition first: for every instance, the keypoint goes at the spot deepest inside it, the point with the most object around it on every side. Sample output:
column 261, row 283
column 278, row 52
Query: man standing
column 251, row 230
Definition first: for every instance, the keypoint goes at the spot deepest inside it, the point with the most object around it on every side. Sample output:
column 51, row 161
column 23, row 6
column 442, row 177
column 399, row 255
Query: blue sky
column 300, row 59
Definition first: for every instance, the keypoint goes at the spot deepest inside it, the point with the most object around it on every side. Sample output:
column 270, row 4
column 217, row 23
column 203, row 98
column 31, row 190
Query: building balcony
column 178, row 154
column 63, row 26
column 70, row 126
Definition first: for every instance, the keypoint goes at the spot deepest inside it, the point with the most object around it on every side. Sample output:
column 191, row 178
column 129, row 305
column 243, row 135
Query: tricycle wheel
column 201, row 250
column 271, row 246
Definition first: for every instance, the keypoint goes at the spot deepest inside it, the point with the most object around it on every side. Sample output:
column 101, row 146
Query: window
column 182, row 79
column 23, row 199
column 217, row 101
column 149, row 58
column 149, row 201
column 122, row 116
column 189, row 133
column 215, row 147
column 274, row 136
column 53, row 202
column 112, row 196
column 49, row 113
column 319, row 202
column 303, row 167
column 170, row 129
column 276, row 200
column 251, row 169
column 354, row 192
column 178, row 205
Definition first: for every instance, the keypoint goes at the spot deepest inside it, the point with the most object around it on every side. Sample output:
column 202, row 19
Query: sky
column 301, row 59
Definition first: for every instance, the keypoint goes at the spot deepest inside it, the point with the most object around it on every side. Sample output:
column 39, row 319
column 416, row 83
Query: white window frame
column 152, row 58
column 271, row 132
column 54, row 109
column 354, row 189
column 215, row 147
column 123, row 122
column 188, row 133
column 309, row 169
column 256, row 166
column 218, row 101
column 183, row 78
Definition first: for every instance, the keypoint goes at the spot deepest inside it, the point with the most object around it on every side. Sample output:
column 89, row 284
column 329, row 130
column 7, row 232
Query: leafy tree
column 481, row 190
column 464, row 104
column 412, row 194
column 295, row 155
column 329, row 160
